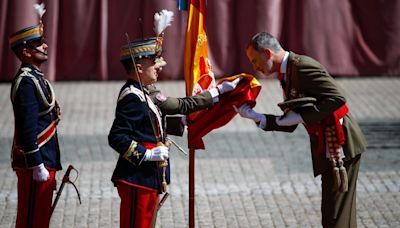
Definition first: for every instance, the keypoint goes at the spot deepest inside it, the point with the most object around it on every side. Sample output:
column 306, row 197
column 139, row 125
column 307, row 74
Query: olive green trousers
column 339, row 208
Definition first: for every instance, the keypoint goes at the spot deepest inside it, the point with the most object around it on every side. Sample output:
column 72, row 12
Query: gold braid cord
column 340, row 180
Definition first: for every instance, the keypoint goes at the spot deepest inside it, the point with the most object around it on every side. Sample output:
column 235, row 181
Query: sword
column 65, row 180
column 162, row 201
column 177, row 146
column 163, row 164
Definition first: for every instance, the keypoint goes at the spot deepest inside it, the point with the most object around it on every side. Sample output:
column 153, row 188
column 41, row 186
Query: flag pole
column 196, row 54
column 192, row 187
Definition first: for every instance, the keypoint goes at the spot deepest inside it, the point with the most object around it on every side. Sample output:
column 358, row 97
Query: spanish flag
column 199, row 77
column 197, row 67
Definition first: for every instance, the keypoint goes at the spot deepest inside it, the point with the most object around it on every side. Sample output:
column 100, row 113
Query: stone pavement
column 244, row 178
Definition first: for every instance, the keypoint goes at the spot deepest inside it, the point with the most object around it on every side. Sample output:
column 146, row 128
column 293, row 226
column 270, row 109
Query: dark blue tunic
column 34, row 111
column 131, row 129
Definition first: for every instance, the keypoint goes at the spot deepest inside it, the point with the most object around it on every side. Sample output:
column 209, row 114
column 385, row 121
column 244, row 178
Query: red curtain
column 350, row 37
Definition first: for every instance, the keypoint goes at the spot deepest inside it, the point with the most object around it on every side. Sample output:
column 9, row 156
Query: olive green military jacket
column 172, row 105
column 305, row 77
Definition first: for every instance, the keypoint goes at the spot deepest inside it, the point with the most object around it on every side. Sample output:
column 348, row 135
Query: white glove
column 247, row 112
column 184, row 120
column 289, row 119
column 227, row 86
column 40, row 173
column 159, row 153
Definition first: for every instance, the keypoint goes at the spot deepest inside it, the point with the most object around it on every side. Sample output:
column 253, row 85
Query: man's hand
column 227, row 86
column 159, row 153
column 40, row 173
column 247, row 112
column 289, row 119
column 184, row 120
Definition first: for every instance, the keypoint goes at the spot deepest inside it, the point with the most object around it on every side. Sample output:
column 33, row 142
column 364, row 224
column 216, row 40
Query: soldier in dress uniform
column 313, row 98
column 137, row 132
column 35, row 150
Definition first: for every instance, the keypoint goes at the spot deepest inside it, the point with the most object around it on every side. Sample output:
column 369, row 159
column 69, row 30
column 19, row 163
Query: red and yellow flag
column 197, row 67
column 199, row 77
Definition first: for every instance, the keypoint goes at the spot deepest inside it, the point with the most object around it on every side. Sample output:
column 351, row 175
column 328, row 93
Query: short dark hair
column 128, row 65
column 263, row 40
column 18, row 51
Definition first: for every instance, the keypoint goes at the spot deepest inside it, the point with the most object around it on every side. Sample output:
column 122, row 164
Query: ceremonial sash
column 332, row 120
column 148, row 145
column 46, row 134
column 18, row 155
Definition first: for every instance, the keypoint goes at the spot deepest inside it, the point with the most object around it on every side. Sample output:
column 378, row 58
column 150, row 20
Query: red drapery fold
column 223, row 112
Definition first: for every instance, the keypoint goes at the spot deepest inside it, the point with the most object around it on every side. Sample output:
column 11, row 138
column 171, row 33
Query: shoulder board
column 25, row 72
column 131, row 90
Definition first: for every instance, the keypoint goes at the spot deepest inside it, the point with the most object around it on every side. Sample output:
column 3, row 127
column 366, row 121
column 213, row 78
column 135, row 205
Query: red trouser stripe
column 137, row 206
column 34, row 200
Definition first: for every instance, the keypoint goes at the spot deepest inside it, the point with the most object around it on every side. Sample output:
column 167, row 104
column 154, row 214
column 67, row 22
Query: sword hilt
column 65, row 180
column 164, row 165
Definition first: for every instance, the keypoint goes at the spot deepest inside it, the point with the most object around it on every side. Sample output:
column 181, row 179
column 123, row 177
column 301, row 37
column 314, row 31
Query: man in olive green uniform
column 313, row 98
